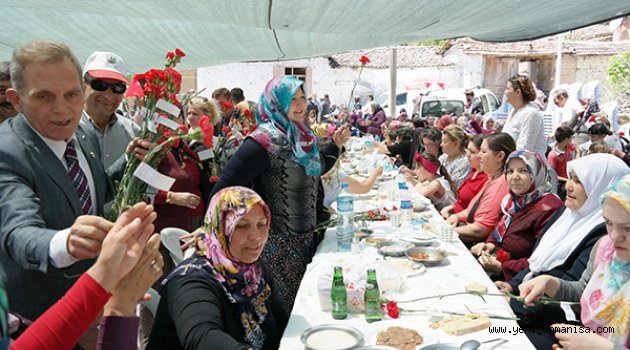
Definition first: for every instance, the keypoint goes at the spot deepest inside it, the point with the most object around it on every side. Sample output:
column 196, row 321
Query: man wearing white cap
column 105, row 86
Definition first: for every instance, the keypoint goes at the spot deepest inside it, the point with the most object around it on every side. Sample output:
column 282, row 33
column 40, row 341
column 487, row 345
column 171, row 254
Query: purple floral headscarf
column 243, row 284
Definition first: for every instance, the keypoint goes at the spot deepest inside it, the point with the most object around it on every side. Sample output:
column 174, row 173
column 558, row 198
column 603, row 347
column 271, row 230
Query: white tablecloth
column 451, row 276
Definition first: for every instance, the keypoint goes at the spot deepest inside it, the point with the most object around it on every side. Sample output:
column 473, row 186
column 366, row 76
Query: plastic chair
column 170, row 237
column 152, row 304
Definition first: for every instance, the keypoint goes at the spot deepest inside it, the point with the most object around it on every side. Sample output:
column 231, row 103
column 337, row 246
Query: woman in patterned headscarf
column 569, row 238
column 223, row 296
column 604, row 288
column 281, row 160
column 527, row 207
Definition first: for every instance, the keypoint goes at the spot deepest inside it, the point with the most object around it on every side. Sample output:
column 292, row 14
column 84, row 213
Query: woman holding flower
column 604, row 288
column 526, row 210
column 223, row 297
column 183, row 205
column 197, row 108
column 563, row 250
column 283, row 163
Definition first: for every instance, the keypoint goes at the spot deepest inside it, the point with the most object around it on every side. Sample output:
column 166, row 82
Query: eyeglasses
column 101, row 85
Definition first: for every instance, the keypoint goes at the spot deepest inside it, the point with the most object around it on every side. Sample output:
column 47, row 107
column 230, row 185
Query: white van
column 453, row 101
column 406, row 99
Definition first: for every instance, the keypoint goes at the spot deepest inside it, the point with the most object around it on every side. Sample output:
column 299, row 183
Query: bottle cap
column 344, row 185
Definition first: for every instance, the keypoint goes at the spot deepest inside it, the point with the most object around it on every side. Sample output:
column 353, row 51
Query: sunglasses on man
column 101, row 85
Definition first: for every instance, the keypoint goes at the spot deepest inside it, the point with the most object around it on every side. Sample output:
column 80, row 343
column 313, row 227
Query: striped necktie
column 78, row 177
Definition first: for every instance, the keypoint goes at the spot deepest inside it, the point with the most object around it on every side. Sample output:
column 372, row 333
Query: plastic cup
column 395, row 217
column 445, row 234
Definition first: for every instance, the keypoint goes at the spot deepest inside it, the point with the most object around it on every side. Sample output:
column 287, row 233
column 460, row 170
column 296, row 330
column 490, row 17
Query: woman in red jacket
column 526, row 210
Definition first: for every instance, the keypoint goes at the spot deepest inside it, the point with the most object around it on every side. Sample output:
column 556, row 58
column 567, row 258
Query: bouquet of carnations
column 160, row 108
column 226, row 144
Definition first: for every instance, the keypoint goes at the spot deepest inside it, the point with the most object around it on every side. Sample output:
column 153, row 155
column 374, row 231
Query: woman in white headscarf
column 563, row 251
column 604, row 288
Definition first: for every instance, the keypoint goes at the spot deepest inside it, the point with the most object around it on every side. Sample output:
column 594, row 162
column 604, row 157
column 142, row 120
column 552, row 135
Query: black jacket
column 571, row 270
column 194, row 313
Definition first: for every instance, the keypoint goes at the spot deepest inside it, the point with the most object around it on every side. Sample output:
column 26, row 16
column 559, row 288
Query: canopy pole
column 558, row 61
column 392, row 82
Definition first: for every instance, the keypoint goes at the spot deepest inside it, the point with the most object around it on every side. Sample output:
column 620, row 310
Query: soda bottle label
column 345, row 204
column 405, row 204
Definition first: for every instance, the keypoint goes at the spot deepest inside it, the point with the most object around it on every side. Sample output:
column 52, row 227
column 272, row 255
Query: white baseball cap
column 105, row 65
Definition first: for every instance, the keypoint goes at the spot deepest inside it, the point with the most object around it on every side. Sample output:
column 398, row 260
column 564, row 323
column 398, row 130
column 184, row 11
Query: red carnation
column 170, row 55
column 183, row 128
column 502, row 255
column 364, row 60
column 392, row 309
column 207, row 129
column 226, row 105
column 247, row 113
column 214, row 175
column 179, row 53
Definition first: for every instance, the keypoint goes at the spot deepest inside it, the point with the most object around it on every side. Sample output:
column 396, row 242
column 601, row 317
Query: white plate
column 417, row 239
column 371, row 333
column 406, row 267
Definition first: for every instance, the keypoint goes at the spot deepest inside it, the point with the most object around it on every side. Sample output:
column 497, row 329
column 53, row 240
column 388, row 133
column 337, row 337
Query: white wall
column 471, row 68
column 252, row 77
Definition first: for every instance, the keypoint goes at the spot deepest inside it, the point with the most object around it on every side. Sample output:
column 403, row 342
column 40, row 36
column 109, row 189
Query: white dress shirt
column 58, row 249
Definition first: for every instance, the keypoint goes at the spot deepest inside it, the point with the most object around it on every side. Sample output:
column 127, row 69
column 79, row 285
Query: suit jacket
column 38, row 199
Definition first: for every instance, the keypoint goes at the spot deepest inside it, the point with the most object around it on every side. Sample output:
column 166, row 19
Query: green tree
column 619, row 73
column 431, row 42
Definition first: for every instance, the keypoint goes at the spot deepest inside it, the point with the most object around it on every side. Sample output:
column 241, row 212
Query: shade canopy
column 216, row 32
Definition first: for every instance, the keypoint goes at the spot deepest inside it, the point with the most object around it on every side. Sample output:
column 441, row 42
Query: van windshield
column 439, row 108
column 401, row 99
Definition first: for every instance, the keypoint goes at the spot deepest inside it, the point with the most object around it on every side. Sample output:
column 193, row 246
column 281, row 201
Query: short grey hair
column 560, row 93
column 40, row 51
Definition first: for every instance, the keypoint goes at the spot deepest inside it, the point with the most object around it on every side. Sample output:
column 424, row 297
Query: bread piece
column 476, row 288
column 464, row 324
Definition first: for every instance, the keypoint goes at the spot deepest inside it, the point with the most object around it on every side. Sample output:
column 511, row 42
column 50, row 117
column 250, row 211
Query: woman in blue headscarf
column 280, row 160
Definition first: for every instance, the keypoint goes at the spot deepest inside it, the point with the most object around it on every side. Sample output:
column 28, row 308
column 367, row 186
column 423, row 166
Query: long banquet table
column 451, row 276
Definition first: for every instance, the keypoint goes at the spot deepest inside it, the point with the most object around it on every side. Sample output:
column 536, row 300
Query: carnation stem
column 355, row 86
column 543, row 301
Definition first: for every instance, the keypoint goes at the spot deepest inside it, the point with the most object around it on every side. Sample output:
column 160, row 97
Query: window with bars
column 298, row 72
column 302, row 73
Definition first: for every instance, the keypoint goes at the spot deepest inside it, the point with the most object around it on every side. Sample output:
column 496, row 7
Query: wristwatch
column 168, row 197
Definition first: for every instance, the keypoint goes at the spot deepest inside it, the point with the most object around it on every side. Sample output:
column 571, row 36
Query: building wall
column 497, row 70
column 471, row 68
column 546, row 74
column 593, row 68
column 574, row 69
column 569, row 69
column 252, row 77
column 189, row 79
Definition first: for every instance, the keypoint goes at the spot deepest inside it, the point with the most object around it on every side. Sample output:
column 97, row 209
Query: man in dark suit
column 52, row 182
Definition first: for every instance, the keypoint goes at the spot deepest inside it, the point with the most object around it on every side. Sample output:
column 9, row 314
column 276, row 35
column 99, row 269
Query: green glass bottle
column 339, row 296
column 372, row 298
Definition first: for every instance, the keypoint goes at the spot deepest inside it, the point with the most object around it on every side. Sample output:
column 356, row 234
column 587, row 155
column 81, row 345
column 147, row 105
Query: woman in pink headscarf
column 444, row 121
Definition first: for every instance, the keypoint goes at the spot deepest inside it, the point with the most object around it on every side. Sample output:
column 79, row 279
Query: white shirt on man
column 58, row 249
